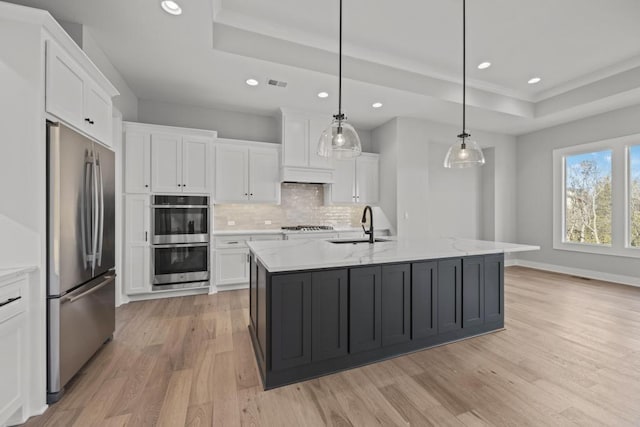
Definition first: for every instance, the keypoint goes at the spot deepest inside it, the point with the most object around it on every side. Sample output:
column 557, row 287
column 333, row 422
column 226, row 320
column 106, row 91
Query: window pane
column 634, row 197
column 588, row 198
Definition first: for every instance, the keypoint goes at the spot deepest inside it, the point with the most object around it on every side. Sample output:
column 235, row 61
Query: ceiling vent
column 277, row 83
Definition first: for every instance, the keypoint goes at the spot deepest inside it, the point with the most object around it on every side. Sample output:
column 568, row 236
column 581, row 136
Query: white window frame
column 620, row 200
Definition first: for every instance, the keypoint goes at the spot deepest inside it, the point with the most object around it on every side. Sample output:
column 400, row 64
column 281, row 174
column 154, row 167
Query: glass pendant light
column 465, row 153
column 340, row 140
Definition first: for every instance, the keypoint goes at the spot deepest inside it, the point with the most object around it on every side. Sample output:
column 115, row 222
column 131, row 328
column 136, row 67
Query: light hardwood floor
column 570, row 355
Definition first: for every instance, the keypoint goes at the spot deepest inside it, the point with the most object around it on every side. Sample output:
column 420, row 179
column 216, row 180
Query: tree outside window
column 634, row 195
column 588, row 198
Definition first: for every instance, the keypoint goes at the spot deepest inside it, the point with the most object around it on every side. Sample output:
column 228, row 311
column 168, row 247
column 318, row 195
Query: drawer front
column 12, row 298
column 230, row 242
column 12, row 369
column 260, row 237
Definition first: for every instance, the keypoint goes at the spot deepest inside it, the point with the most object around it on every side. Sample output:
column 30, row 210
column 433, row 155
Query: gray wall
column 228, row 124
column 423, row 199
column 535, row 189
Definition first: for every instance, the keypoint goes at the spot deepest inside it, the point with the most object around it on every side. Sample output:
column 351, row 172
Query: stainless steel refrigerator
column 81, row 253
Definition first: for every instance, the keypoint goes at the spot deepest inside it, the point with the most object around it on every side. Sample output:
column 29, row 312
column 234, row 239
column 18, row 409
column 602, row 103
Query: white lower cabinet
column 232, row 259
column 137, row 247
column 232, row 266
column 13, row 348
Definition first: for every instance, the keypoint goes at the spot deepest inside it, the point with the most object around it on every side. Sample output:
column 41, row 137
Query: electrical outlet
column 231, row 223
column 267, row 222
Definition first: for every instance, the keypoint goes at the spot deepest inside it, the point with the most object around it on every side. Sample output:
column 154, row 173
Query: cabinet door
column 166, row 163
column 137, row 160
column 316, row 126
column 494, row 288
column 137, row 248
column 64, row 87
column 13, row 337
column 264, row 175
column 364, row 309
column 295, row 140
column 232, row 266
column 343, row 189
column 424, row 299
column 449, row 295
column 472, row 291
column 367, row 180
column 195, row 164
column 232, row 174
column 97, row 108
column 329, row 310
column 290, row 320
column 396, row 304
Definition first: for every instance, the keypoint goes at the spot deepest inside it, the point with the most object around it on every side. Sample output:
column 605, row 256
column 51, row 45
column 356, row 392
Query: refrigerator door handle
column 94, row 214
column 85, row 212
column 100, row 212
column 108, row 279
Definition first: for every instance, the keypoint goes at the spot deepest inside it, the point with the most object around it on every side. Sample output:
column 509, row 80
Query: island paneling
column 314, row 322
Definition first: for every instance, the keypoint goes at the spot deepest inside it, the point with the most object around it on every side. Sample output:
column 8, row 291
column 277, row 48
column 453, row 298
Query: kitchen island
column 318, row 307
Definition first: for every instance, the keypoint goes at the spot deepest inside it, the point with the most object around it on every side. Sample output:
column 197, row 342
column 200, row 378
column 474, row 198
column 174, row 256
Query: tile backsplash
column 300, row 204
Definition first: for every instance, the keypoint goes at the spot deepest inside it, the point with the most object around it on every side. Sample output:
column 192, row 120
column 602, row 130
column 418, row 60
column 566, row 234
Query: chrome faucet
column 364, row 221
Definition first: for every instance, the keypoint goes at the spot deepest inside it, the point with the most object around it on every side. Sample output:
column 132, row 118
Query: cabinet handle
column 88, row 120
column 246, row 194
column 9, row 301
column 248, row 258
column 179, row 185
column 146, row 235
column 251, row 194
column 146, row 186
column 232, row 243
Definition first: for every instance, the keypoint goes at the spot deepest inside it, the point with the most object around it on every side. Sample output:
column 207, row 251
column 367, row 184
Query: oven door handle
column 179, row 206
column 182, row 245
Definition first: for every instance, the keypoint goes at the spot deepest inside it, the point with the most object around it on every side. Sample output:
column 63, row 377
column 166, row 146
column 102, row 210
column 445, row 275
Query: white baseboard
column 222, row 288
column 589, row 274
column 167, row 294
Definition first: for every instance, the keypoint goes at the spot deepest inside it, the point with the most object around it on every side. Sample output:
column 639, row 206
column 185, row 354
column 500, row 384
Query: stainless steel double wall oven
column 180, row 240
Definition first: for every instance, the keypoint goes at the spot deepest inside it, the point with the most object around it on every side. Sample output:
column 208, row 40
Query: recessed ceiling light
column 376, row 104
column 484, row 65
column 171, row 7
column 323, row 94
column 534, row 80
column 252, row 82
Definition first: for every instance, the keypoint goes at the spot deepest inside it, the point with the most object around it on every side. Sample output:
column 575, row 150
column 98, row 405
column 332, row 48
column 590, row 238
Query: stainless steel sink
column 355, row 242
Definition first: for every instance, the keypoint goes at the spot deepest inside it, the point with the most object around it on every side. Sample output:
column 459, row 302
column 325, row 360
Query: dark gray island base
column 310, row 323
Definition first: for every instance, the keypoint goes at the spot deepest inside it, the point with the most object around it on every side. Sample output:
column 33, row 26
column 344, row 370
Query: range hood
column 306, row 175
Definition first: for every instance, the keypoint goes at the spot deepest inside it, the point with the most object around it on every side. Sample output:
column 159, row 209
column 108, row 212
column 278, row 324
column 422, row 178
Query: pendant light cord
column 340, row 115
column 464, row 133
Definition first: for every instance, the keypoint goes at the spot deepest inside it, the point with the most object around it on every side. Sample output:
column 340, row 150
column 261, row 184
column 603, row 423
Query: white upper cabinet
column 195, row 164
column 166, row 163
column 98, row 109
column 247, row 172
column 300, row 135
column 232, row 173
column 137, row 160
column 295, row 140
column 356, row 181
column 264, row 175
column 162, row 159
column 73, row 97
column 343, row 190
column 367, row 179
column 317, row 124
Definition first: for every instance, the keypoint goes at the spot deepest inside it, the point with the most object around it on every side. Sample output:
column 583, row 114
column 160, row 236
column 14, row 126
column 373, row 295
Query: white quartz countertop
column 8, row 273
column 280, row 231
column 309, row 254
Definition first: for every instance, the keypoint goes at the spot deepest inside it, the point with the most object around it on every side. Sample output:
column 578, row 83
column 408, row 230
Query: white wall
column 535, row 188
column 22, row 182
column 430, row 201
column 385, row 142
column 127, row 101
column 228, row 124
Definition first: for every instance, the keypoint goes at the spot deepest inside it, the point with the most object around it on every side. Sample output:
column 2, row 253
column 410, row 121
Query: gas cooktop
column 308, row 228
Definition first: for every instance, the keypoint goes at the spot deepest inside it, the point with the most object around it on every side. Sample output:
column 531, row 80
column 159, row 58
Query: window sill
column 628, row 252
